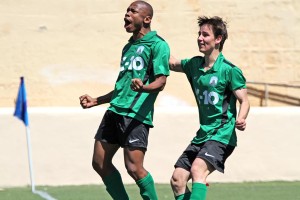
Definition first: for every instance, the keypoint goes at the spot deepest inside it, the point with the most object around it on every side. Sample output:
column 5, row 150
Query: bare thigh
column 200, row 170
column 134, row 161
column 102, row 157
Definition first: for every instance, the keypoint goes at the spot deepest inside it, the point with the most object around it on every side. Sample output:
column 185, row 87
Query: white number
column 136, row 63
column 209, row 97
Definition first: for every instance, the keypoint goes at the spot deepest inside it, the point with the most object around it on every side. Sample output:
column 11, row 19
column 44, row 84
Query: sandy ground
column 62, row 144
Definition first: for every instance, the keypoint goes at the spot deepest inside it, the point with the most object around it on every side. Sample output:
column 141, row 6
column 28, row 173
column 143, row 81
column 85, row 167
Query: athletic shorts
column 122, row 130
column 211, row 151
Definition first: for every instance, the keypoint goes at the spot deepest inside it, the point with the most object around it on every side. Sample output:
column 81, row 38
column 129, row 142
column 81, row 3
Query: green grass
column 277, row 190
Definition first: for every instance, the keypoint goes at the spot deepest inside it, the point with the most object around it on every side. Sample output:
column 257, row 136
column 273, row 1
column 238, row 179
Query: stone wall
column 67, row 48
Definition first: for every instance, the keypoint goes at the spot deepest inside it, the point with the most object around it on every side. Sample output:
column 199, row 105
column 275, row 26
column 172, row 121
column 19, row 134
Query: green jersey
column 144, row 58
column 213, row 90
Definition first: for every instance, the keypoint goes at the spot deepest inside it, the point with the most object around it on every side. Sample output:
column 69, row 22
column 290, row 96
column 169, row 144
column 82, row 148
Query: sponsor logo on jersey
column 213, row 81
column 140, row 50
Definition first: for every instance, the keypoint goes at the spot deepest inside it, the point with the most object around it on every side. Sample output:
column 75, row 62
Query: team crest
column 213, row 81
column 140, row 50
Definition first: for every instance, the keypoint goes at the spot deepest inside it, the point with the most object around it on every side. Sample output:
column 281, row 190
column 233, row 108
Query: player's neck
column 140, row 34
column 210, row 59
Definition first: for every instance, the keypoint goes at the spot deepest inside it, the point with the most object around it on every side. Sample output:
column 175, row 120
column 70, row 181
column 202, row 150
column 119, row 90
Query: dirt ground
column 62, row 144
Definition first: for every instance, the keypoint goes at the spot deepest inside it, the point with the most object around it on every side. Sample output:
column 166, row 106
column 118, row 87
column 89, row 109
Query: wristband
column 99, row 100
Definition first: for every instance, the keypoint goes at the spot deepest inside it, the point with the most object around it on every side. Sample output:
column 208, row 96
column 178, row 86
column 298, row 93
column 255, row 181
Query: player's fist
column 87, row 101
column 136, row 85
column 240, row 124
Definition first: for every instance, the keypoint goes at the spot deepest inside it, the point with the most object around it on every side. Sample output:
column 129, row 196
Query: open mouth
column 127, row 22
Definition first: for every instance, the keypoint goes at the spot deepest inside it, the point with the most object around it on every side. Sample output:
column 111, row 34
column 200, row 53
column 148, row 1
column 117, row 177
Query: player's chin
column 128, row 30
column 203, row 50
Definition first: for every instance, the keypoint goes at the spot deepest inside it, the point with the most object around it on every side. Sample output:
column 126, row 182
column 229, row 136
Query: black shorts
column 212, row 151
column 122, row 130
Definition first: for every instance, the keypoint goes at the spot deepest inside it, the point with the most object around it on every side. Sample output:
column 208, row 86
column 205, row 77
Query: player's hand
column 86, row 101
column 240, row 124
column 136, row 85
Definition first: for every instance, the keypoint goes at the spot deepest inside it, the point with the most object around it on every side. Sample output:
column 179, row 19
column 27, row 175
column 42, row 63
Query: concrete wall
column 62, row 145
column 66, row 48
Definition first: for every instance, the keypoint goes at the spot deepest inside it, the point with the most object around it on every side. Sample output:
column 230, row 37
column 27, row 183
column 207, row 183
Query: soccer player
column 144, row 69
column 217, row 84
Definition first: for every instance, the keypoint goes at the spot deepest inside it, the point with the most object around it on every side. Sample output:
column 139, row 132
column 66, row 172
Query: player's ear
column 147, row 20
column 219, row 39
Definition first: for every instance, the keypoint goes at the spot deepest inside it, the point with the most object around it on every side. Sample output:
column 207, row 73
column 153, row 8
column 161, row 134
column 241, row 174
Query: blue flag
column 21, row 104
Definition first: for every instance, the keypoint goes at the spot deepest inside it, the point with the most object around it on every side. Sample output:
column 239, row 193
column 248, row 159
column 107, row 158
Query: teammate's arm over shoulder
column 175, row 64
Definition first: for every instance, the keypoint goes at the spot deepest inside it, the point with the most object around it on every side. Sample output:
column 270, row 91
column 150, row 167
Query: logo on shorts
column 133, row 140
column 208, row 155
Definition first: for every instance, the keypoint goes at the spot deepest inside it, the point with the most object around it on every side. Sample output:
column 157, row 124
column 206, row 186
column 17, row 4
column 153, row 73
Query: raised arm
column 242, row 97
column 175, row 64
column 86, row 101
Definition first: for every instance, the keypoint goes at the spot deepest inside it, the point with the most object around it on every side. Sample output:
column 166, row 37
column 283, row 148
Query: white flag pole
column 30, row 159
column 42, row 194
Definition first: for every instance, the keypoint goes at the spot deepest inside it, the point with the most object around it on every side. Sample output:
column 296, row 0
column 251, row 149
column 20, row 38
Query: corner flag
column 22, row 114
column 21, row 104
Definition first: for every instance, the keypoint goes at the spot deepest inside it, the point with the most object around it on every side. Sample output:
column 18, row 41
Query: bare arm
column 87, row 101
column 175, row 64
column 241, row 95
column 156, row 86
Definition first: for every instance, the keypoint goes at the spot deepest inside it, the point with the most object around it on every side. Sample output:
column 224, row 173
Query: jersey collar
column 146, row 37
column 217, row 63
